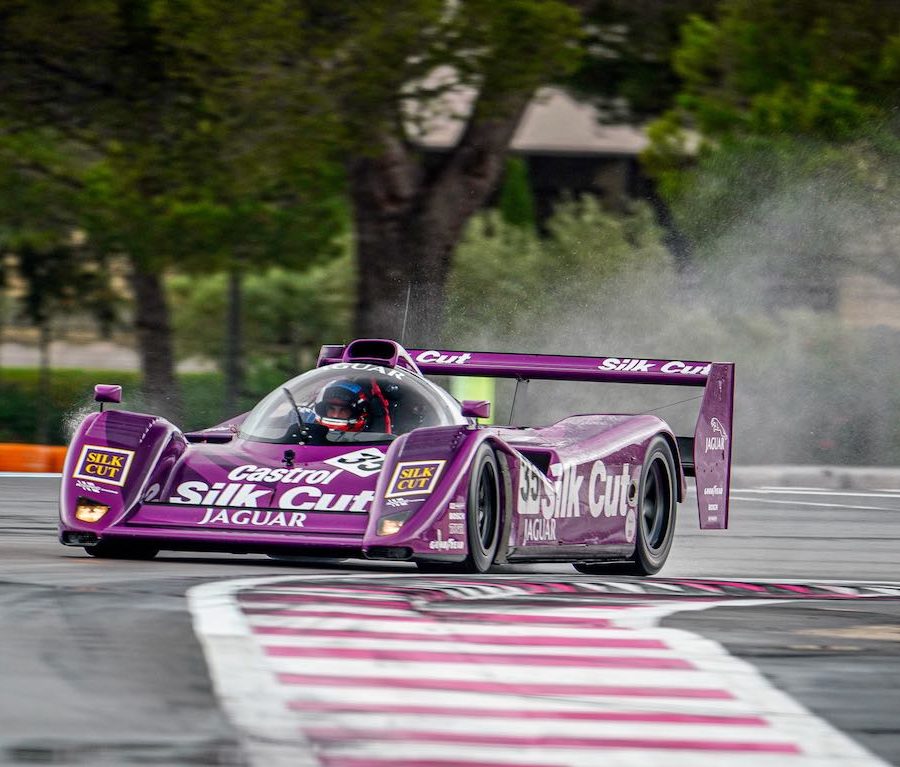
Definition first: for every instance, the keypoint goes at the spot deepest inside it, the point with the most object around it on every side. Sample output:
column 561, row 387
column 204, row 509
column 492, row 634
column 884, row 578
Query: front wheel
column 482, row 519
column 655, row 517
column 483, row 515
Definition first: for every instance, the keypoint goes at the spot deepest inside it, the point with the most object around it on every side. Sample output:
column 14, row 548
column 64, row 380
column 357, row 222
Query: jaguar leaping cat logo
column 717, row 441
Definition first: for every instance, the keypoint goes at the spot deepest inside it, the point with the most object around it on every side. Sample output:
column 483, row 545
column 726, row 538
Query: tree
column 381, row 69
column 385, row 64
column 60, row 278
column 181, row 101
column 289, row 316
column 627, row 67
column 781, row 146
column 167, row 168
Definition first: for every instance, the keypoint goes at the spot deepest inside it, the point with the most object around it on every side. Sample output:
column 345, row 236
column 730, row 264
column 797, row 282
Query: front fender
column 425, row 479
column 115, row 458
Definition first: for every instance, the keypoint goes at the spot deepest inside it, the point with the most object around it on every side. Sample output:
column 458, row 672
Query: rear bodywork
column 568, row 491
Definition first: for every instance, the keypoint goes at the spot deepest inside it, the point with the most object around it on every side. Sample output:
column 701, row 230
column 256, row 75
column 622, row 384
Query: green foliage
column 287, row 315
column 505, row 278
column 763, row 67
column 518, row 45
column 628, row 45
column 516, row 202
column 152, row 131
column 781, row 143
column 65, row 279
column 203, row 133
column 71, row 398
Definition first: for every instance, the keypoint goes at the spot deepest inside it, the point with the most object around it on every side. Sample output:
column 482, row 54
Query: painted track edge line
column 239, row 672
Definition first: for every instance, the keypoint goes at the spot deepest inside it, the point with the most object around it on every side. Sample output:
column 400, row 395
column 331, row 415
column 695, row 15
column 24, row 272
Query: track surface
column 101, row 665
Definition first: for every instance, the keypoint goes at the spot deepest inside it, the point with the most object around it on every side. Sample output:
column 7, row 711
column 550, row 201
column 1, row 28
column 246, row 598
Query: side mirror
column 476, row 408
column 107, row 393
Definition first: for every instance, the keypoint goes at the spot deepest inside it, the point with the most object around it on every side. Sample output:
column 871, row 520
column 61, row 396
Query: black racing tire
column 117, row 550
column 482, row 518
column 483, row 511
column 656, row 513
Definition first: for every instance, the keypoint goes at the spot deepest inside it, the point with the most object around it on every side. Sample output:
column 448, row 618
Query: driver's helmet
column 342, row 405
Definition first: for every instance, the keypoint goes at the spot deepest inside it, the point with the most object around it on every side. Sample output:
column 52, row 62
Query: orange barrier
column 37, row 458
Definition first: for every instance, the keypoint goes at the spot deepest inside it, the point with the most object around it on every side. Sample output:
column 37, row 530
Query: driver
column 347, row 405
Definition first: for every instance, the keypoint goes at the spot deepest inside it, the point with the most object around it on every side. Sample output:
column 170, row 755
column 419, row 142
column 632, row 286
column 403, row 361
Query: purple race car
column 364, row 456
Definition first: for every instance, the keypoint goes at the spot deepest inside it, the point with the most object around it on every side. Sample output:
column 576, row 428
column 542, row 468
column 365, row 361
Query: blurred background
column 196, row 194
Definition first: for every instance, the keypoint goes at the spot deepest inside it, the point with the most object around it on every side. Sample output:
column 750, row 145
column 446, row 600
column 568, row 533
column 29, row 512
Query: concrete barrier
column 36, row 458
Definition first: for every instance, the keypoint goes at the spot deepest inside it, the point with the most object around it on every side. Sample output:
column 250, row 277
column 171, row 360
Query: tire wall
column 681, row 485
column 19, row 457
column 507, row 496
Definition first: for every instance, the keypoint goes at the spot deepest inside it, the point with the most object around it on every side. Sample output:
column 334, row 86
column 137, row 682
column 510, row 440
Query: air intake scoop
column 377, row 351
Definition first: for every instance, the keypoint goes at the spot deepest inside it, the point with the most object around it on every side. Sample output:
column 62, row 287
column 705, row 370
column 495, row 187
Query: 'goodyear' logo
column 414, row 478
column 103, row 464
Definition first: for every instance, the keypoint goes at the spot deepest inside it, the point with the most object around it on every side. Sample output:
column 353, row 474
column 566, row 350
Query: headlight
column 391, row 524
column 87, row 510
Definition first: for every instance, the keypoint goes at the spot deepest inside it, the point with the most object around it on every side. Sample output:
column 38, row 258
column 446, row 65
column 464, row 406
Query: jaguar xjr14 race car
column 364, row 456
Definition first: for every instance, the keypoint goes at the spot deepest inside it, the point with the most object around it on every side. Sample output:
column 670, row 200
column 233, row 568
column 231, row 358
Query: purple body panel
column 476, row 408
column 107, row 393
column 567, row 491
column 584, row 498
column 712, row 448
column 550, row 367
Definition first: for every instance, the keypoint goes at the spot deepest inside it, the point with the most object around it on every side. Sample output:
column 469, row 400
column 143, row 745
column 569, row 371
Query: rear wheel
column 655, row 524
column 117, row 550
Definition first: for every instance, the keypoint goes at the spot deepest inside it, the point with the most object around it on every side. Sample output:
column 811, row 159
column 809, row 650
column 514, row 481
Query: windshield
column 349, row 402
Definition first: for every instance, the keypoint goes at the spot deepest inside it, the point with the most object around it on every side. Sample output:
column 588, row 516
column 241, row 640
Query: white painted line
column 243, row 681
column 764, row 501
column 812, row 491
column 359, row 753
column 468, row 701
column 638, row 680
column 27, row 474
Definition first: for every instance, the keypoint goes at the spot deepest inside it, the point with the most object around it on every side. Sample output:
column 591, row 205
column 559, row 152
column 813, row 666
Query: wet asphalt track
column 100, row 664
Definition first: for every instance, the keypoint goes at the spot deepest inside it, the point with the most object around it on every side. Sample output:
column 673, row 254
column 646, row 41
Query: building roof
column 554, row 122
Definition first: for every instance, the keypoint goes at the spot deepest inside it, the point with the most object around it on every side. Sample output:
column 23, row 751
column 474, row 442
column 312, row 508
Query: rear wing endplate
column 709, row 449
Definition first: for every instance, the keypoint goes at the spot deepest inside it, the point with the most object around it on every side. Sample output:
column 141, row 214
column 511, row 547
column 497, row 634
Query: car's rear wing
column 706, row 455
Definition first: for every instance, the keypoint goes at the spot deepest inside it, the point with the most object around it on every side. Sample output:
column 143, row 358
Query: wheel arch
column 505, row 456
column 680, row 484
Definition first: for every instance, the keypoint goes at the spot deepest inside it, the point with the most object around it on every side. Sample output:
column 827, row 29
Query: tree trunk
column 408, row 224
column 234, row 369
column 154, row 337
column 383, row 191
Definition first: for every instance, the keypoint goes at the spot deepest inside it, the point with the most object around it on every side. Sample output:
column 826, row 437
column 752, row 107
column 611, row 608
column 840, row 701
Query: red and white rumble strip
column 353, row 671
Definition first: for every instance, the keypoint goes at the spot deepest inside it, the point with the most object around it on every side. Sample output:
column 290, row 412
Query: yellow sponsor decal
column 103, row 464
column 414, row 478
